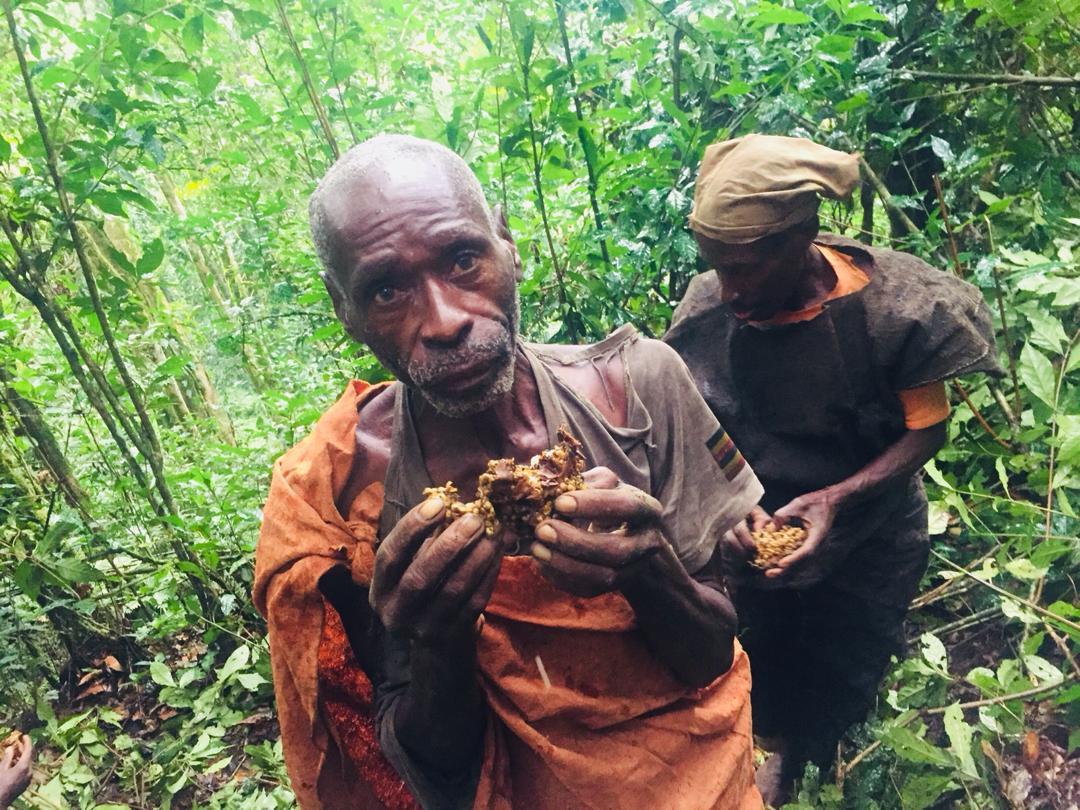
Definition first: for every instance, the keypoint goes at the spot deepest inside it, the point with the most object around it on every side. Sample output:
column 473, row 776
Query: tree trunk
column 33, row 424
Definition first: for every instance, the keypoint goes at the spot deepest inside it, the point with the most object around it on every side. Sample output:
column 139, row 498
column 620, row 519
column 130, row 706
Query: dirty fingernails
column 546, row 532
column 566, row 504
column 542, row 553
column 431, row 507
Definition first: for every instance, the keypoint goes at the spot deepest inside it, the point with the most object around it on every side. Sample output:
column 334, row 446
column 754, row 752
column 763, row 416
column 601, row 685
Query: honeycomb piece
column 518, row 496
column 773, row 544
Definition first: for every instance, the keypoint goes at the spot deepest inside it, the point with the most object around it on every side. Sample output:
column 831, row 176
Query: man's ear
column 502, row 230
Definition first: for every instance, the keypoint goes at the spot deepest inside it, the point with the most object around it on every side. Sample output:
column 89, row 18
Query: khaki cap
column 758, row 185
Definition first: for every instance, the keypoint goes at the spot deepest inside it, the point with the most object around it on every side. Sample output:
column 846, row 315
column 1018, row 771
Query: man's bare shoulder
column 374, row 431
column 598, row 377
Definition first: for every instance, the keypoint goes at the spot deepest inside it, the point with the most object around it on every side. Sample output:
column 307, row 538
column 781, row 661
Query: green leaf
column 171, row 368
column 28, row 578
column 733, row 88
column 994, row 205
column 1069, row 438
column 855, row 102
column 960, row 735
column 151, row 257
column 937, row 518
column 207, row 80
column 161, row 674
column 1037, row 374
column 942, row 149
column 108, row 202
column 251, row 680
column 74, row 571
column 54, row 537
column 1015, row 610
column 934, row 652
column 193, row 33
column 837, row 47
column 236, row 662
column 913, row 748
column 923, row 791
column 773, row 14
column 1022, row 568
column 1043, row 669
column 862, row 13
column 1046, row 330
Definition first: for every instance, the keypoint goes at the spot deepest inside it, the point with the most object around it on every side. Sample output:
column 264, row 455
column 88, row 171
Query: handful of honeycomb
column 774, row 544
column 12, row 740
column 518, row 496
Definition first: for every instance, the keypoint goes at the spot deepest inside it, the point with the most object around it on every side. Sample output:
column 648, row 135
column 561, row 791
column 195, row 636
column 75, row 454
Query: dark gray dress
column 810, row 404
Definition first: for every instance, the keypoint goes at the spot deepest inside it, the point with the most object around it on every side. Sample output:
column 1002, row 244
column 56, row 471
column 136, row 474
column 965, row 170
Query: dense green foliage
column 165, row 335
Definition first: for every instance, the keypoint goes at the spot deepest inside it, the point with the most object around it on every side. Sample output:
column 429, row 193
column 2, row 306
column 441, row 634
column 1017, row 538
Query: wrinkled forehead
column 359, row 197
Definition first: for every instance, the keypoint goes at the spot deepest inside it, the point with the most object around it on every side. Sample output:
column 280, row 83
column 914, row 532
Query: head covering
column 757, row 185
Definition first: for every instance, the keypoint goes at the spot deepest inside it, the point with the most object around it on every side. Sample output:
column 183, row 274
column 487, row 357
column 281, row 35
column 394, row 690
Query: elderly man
column 826, row 360
column 592, row 664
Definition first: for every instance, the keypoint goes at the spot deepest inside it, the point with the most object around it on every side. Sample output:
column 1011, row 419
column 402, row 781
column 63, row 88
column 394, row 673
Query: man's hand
column 615, row 529
column 739, row 548
column 819, row 554
column 14, row 779
column 432, row 588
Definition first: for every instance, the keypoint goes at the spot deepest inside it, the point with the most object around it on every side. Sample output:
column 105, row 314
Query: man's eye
column 465, row 262
column 384, row 294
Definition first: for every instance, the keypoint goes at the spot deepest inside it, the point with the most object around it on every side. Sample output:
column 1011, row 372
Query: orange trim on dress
column 849, row 279
column 924, row 406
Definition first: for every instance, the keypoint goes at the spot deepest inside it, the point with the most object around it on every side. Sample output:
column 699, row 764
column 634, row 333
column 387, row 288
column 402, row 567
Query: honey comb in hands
column 773, row 543
column 517, row 497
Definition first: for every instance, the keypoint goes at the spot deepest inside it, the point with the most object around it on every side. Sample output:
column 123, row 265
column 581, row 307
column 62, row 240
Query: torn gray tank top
column 663, row 449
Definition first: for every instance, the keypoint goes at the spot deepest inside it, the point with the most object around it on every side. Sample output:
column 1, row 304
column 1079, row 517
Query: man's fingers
column 610, row 506
column 480, row 597
column 758, row 519
column 572, row 575
column 743, row 541
column 792, row 514
column 464, row 593
column 439, row 553
column 422, row 573
column 398, row 548
column 5, row 760
column 609, row 550
column 600, row 478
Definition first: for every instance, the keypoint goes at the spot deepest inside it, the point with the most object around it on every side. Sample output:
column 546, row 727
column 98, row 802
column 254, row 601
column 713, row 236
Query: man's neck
column 514, row 427
column 816, row 280
column 511, row 426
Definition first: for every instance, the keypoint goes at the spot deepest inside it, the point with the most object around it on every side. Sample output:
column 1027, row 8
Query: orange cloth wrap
column 614, row 730
column 303, row 536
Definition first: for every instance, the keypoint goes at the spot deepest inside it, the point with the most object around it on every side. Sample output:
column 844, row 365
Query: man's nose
column 445, row 322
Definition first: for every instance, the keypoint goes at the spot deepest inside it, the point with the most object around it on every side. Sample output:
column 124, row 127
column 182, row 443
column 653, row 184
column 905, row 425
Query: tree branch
column 991, row 78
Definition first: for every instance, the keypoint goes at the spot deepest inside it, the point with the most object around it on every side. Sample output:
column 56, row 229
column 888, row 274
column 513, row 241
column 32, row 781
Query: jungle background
column 164, row 335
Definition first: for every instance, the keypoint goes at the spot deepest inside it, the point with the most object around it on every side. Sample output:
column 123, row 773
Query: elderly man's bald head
column 379, row 170
column 419, row 270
